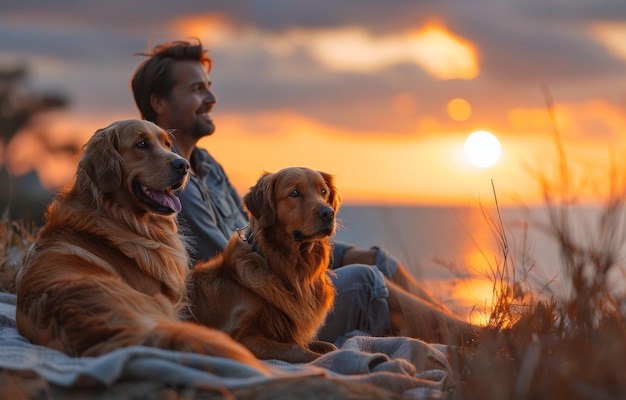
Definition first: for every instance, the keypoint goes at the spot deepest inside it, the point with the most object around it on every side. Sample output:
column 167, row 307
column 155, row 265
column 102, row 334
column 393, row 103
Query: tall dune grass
column 566, row 346
column 15, row 238
column 546, row 347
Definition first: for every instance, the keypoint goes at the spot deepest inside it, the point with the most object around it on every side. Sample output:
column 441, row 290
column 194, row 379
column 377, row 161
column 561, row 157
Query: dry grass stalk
column 572, row 346
column 14, row 240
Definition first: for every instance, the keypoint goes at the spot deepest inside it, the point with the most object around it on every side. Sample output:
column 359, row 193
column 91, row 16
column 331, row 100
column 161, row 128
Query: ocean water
column 458, row 252
column 427, row 238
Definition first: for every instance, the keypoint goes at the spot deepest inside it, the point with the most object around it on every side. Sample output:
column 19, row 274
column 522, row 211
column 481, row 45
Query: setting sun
column 482, row 149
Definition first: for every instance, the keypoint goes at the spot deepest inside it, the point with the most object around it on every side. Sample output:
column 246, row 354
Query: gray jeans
column 361, row 306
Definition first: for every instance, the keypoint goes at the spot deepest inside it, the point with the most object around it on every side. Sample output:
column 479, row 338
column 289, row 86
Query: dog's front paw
column 320, row 347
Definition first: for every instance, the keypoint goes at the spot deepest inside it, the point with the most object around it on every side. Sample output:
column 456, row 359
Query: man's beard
column 202, row 129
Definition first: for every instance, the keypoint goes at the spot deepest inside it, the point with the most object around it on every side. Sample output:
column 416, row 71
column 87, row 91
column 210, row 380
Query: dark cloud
column 573, row 10
column 268, row 15
column 521, row 45
column 70, row 40
column 522, row 53
column 347, row 99
column 108, row 13
column 377, row 16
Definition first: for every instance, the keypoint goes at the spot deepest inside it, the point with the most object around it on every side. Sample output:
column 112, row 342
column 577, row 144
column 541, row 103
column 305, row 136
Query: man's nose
column 210, row 97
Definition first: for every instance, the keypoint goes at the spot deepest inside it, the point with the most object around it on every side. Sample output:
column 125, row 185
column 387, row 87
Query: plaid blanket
column 404, row 366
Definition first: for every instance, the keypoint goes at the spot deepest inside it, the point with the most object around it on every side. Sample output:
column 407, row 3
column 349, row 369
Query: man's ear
column 157, row 103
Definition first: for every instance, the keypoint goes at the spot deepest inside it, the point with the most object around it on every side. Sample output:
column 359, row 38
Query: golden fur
column 108, row 269
column 271, row 291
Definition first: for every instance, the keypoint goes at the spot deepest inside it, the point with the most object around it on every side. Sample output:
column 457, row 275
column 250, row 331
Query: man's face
column 189, row 105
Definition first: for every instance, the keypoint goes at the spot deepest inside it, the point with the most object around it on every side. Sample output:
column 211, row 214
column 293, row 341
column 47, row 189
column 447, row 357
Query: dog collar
column 250, row 239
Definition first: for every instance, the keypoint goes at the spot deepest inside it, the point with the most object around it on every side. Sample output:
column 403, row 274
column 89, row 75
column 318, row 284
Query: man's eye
column 294, row 193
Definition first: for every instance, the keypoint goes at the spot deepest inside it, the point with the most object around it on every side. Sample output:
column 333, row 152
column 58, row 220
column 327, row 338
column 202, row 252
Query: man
column 375, row 293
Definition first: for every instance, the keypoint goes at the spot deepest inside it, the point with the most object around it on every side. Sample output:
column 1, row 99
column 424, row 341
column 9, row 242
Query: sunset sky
column 382, row 94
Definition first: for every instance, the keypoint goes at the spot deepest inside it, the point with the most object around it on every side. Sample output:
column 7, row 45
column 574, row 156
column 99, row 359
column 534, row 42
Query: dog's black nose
column 326, row 214
column 180, row 165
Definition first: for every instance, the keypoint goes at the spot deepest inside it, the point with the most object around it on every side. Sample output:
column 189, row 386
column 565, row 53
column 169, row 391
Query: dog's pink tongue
column 168, row 200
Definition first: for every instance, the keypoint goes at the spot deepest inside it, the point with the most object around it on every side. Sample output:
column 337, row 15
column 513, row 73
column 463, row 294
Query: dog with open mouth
column 270, row 289
column 109, row 267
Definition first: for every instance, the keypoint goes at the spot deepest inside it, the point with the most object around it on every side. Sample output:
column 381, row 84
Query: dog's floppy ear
column 334, row 198
column 102, row 161
column 260, row 200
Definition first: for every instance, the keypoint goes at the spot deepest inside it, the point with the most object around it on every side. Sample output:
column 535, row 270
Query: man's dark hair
column 154, row 76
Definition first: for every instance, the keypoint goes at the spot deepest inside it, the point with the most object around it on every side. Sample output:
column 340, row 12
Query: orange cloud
column 443, row 54
column 404, row 103
column 611, row 36
column 594, row 118
column 438, row 51
column 212, row 25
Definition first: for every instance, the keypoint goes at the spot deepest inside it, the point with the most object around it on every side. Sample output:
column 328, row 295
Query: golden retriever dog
column 271, row 290
column 109, row 269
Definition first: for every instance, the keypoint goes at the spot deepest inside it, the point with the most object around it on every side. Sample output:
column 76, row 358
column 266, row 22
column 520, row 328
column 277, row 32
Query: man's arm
column 359, row 256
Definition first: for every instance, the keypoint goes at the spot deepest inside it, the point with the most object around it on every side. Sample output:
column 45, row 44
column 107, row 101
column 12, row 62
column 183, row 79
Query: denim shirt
column 211, row 207
column 212, row 211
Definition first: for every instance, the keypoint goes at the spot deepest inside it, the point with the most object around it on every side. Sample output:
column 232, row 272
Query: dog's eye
column 324, row 191
column 294, row 193
column 142, row 144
